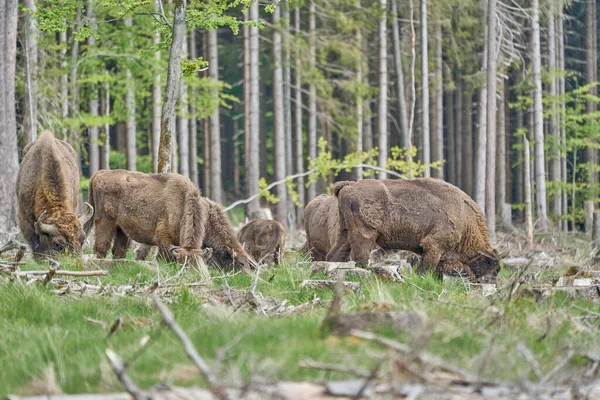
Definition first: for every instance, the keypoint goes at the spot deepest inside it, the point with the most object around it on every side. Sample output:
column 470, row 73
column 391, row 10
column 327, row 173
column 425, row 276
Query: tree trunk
column 156, row 99
column 563, row 130
column 298, row 117
column 183, row 121
column 438, row 136
column 279, row 120
column 383, row 84
column 367, row 126
column 131, row 149
column 490, row 167
column 105, row 139
column 590, row 73
column 193, row 148
column 167, row 125
column 287, row 106
column 451, row 137
column 236, row 158
column 359, row 99
column 413, row 90
column 501, row 159
column 93, row 105
column 9, row 164
column 528, row 198
column 64, row 80
column 540, row 166
column 519, row 196
column 312, row 95
column 253, row 166
column 458, row 133
column 467, row 168
column 216, row 184
column 555, row 173
column 30, row 61
column 400, row 93
column 481, row 142
column 425, row 94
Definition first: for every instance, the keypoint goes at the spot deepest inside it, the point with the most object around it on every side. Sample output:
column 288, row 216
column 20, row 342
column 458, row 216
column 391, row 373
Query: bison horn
column 49, row 229
column 490, row 255
column 86, row 215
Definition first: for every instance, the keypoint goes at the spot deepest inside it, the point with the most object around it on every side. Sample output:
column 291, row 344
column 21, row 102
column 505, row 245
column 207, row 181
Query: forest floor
column 528, row 335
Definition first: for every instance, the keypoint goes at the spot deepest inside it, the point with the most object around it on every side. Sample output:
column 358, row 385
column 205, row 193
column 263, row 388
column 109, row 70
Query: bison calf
column 47, row 193
column 165, row 210
column 427, row 216
column 263, row 239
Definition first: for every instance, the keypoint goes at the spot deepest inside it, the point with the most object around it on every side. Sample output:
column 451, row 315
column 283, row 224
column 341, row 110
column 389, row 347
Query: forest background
column 498, row 97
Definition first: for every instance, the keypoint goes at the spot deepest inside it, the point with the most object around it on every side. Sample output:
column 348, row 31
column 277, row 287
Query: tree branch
column 119, row 369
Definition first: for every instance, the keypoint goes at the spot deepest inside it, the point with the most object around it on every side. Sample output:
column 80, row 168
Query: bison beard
column 427, row 216
column 47, row 192
column 164, row 210
column 263, row 239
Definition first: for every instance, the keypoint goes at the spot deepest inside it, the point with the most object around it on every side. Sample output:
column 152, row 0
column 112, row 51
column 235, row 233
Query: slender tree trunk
column 438, row 137
column 9, row 164
column 400, row 92
column 73, row 137
column 93, row 104
column 555, row 173
column 312, row 94
column 501, row 159
column 519, row 196
column 156, row 100
column 216, row 186
column 383, row 85
column 413, row 94
column 246, row 43
column 105, row 139
column 528, row 198
column 367, row 126
column 287, row 106
column 590, row 73
column 540, row 165
column 30, row 61
column 236, row 158
column 279, row 120
column 425, row 95
column 253, row 166
column 131, row 149
column 459, row 135
column 64, row 80
column 481, row 142
column 490, row 167
column 168, row 116
column 467, row 160
column 563, row 130
column 183, row 121
column 451, row 137
column 193, row 150
column 298, row 117
column 359, row 98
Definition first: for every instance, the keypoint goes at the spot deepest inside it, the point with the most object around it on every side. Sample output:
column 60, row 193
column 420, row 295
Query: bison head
column 63, row 231
column 236, row 258
column 485, row 266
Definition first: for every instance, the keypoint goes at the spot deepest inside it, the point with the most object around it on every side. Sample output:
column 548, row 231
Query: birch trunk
column 167, row 125
column 438, row 138
column 246, row 43
column 30, row 61
column 563, row 130
column 193, row 148
column 491, row 114
column 298, row 117
column 467, row 160
column 555, row 172
column 9, row 164
column 383, row 84
column 279, row 120
column 459, row 135
column 183, row 122
column 73, row 138
column 400, row 91
column 93, row 105
column 64, row 79
column 216, row 186
column 528, row 198
column 287, row 105
column 501, row 159
column 590, row 73
column 156, row 99
column 425, row 94
column 359, row 100
column 253, row 169
column 540, row 166
column 312, row 95
column 481, row 142
column 131, row 149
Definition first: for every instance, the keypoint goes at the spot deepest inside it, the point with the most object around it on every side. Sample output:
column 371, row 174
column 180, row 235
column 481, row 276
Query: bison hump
column 340, row 185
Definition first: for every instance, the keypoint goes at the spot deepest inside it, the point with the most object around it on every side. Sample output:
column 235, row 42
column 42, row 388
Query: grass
column 40, row 331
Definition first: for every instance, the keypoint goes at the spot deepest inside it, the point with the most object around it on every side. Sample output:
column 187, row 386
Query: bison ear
column 86, row 219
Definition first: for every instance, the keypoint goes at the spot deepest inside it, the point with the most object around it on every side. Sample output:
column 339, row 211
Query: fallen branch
column 61, row 273
column 372, row 375
column 213, row 384
column 119, row 369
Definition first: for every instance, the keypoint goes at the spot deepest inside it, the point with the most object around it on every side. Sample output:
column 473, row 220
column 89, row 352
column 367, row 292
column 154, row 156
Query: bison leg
column 431, row 257
column 363, row 240
column 340, row 252
column 121, row 244
column 105, row 232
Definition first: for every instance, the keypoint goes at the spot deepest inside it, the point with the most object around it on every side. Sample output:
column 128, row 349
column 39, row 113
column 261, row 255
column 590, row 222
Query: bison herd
column 426, row 216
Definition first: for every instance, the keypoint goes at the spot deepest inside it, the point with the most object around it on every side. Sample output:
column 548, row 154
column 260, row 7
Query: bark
column 167, row 125
column 8, row 120
column 30, row 61
column 246, row 55
column 287, row 104
column 501, row 159
column 359, row 100
column 400, row 91
column 64, row 79
column 437, row 151
column 528, row 198
column 588, row 213
column 193, row 149
column 519, row 196
column 105, row 139
column 467, row 160
column 279, row 120
column 555, row 173
column 425, row 93
column 458, row 132
column 156, row 100
column 183, row 121
column 540, row 166
column 383, row 84
column 367, row 126
column 451, row 137
column 413, row 94
column 481, row 142
column 93, row 105
column 590, row 73
column 131, row 149
column 253, row 166
column 298, row 117
column 563, row 131
column 236, row 158
column 312, row 95
column 490, row 167
column 73, row 137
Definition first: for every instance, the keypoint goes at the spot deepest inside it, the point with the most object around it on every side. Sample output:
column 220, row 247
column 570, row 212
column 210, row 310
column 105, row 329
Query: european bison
column 427, row 216
column 164, row 210
column 47, row 192
column 263, row 239
column 321, row 223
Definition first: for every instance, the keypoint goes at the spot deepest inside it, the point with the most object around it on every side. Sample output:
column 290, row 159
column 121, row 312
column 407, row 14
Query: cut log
column 333, row 269
column 588, row 208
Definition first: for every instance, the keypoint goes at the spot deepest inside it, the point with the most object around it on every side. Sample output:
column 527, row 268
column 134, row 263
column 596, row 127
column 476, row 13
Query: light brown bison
column 164, row 210
column 47, row 192
column 427, row 216
column 321, row 223
column 263, row 239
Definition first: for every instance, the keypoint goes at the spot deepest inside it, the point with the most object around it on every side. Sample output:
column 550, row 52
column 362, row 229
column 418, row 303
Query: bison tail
column 276, row 238
column 90, row 223
column 340, row 185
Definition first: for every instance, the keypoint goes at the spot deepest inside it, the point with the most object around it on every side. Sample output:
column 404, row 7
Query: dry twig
column 120, row 370
column 334, row 368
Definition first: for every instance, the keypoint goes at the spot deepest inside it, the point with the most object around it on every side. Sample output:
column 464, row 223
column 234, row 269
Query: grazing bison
column 47, row 192
column 263, row 239
column 321, row 223
column 165, row 210
column 427, row 216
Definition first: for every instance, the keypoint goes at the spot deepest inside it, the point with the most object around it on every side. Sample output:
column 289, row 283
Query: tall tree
column 279, row 119
column 64, row 79
column 425, row 93
column 467, row 159
column 500, row 182
column 383, row 85
column 400, row 91
column 93, row 104
column 459, row 133
column 481, row 142
column 168, row 116
column 287, row 98
column 359, row 99
column 216, row 189
column 563, row 129
column 540, row 165
column 490, row 167
column 193, row 148
column 437, row 151
column 105, row 110
column 30, row 61
column 590, row 73
column 298, row 118
column 555, row 173
column 312, row 94
column 183, row 121
column 156, row 98
column 131, row 149
column 8, row 120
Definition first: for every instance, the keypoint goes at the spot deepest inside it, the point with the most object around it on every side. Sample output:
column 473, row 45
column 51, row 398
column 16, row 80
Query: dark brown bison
column 263, row 239
column 47, row 192
column 427, row 216
column 164, row 210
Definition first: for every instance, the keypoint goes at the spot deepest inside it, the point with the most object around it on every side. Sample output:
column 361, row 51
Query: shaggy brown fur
column 47, row 191
column 165, row 210
column 427, row 216
column 263, row 239
column 321, row 223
